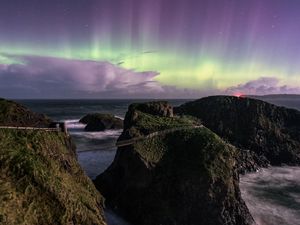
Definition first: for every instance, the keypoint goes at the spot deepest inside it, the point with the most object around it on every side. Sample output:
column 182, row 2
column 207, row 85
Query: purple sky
column 148, row 48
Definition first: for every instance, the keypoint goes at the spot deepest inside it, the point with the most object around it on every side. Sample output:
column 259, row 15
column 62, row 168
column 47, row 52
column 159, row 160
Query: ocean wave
column 122, row 118
column 74, row 124
column 92, row 141
column 273, row 195
column 77, row 129
column 100, row 135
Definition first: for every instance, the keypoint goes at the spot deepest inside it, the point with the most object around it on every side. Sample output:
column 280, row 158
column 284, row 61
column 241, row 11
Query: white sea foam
column 273, row 195
column 77, row 129
column 74, row 124
column 100, row 135
column 122, row 118
column 113, row 219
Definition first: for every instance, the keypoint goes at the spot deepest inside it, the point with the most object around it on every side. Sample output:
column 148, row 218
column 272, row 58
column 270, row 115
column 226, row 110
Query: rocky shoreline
column 189, row 176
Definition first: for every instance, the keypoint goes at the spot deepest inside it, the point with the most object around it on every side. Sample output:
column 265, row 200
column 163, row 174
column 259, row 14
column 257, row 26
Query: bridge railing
column 53, row 127
column 156, row 133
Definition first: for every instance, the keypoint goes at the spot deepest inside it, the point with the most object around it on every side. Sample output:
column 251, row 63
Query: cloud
column 263, row 86
column 46, row 77
column 51, row 77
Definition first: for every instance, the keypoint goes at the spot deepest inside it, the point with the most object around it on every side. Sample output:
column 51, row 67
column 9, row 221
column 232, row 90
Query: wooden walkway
column 154, row 134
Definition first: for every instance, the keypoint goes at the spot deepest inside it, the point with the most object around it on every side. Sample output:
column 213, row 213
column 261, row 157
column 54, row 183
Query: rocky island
column 101, row 122
column 186, row 176
column 269, row 134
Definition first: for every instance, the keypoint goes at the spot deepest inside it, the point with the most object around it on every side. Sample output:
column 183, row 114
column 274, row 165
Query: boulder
column 187, row 175
column 101, row 122
column 270, row 131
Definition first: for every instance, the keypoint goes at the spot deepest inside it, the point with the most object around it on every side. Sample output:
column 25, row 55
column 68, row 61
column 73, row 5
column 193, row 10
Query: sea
column 272, row 195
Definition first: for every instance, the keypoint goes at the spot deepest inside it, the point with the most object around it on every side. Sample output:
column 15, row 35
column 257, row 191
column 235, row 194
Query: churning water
column 272, row 195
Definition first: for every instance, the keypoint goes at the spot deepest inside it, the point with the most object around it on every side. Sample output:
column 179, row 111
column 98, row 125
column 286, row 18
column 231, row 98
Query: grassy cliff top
column 14, row 114
column 266, row 129
column 152, row 123
column 42, row 183
column 185, row 176
column 199, row 145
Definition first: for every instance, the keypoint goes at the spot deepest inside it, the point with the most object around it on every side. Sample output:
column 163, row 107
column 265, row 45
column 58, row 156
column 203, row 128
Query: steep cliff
column 269, row 131
column 41, row 182
column 185, row 176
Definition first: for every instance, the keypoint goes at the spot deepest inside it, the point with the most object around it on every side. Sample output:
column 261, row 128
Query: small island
column 101, row 122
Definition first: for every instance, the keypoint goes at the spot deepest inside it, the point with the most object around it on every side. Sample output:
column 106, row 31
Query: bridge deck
column 157, row 133
column 119, row 143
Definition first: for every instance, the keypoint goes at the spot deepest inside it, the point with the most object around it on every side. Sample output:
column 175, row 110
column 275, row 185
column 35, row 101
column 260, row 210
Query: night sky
column 148, row 48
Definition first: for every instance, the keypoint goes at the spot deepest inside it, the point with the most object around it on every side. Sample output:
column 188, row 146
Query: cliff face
column 269, row 131
column 14, row 114
column 41, row 182
column 187, row 176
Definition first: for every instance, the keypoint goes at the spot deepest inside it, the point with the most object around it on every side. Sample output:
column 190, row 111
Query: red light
column 239, row 95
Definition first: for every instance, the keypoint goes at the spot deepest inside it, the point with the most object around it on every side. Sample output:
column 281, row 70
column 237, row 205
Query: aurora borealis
column 191, row 47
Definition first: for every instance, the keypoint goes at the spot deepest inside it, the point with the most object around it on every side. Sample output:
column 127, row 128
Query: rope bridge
column 61, row 127
column 157, row 133
column 53, row 127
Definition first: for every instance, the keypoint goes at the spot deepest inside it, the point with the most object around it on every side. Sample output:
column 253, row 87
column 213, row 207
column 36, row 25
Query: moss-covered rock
column 14, row 114
column 269, row 131
column 41, row 182
column 188, row 176
column 101, row 122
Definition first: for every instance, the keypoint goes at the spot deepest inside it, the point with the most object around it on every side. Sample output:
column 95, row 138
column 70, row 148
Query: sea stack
column 101, row 122
column 186, row 176
column 269, row 131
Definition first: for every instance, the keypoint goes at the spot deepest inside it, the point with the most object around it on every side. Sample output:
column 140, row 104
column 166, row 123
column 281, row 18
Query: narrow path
column 158, row 133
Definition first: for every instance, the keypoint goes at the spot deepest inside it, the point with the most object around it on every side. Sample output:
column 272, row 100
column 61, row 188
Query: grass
column 14, row 114
column 190, row 172
column 189, row 147
column 41, row 181
column 147, row 123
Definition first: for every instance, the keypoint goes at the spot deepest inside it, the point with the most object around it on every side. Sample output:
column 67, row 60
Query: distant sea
column 272, row 195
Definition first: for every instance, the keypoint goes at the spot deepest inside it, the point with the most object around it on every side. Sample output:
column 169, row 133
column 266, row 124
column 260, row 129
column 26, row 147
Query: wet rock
column 101, row 122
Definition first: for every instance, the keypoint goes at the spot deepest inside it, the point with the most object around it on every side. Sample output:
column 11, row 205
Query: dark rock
column 16, row 115
column 101, row 122
column 158, row 108
column 270, row 131
column 189, row 176
column 249, row 161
